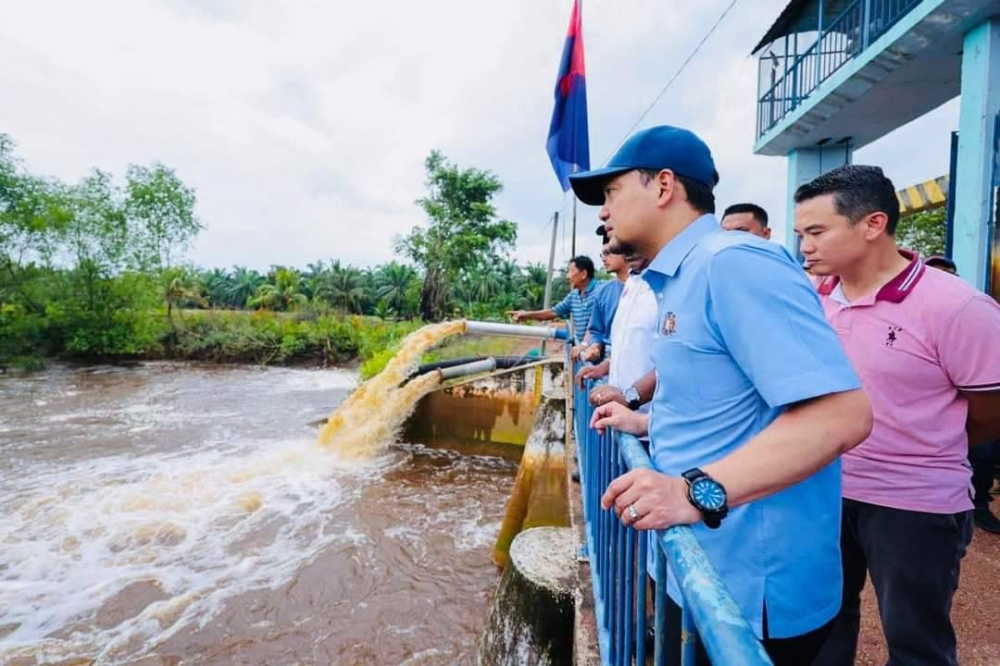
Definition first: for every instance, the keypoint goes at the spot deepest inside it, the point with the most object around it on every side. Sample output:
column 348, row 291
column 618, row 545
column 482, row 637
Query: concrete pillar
column 533, row 610
column 974, row 186
column 804, row 164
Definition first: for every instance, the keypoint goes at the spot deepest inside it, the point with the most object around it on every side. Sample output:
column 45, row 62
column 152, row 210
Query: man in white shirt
column 632, row 333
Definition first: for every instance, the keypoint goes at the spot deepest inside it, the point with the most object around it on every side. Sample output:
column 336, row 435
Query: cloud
column 304, row 126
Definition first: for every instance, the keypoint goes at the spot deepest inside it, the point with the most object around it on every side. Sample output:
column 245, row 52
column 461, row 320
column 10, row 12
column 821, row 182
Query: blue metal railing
column 619, row 564
column 860, row 24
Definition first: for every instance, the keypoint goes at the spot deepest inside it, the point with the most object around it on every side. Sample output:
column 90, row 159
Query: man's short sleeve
column 564, row 307
column 967, row 347
column 767, row 314
column 599, row 326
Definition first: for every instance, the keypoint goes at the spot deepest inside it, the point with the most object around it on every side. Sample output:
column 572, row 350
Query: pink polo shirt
column 916, row 343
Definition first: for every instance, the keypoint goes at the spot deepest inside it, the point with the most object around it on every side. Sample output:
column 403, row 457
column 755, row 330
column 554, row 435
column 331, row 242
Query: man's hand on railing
column 592, row 353
column 619, row 417
column 593, row 372
column 602, row 395
column 648, row 500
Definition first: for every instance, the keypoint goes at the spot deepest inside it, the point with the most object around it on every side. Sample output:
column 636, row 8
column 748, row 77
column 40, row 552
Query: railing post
column 819, row 45
column 784, row 83
column 866, row 22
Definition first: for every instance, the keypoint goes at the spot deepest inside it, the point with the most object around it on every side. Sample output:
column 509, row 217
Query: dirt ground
column 976, row 612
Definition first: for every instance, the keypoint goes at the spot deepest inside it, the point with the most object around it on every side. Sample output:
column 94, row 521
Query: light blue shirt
column 606, row 298
column 741, row 336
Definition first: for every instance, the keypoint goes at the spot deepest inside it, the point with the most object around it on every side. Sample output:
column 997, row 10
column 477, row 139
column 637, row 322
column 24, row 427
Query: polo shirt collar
column 895, row 290
column 590, row 287
column 669, row 258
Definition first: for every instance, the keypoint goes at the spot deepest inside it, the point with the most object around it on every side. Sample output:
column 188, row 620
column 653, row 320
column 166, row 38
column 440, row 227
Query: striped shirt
column 578, row 305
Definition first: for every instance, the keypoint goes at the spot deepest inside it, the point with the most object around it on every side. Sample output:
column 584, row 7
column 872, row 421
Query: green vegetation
column 924, row 232
column 92, row 270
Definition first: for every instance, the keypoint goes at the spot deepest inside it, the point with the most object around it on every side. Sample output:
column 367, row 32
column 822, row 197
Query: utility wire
column 673, row 78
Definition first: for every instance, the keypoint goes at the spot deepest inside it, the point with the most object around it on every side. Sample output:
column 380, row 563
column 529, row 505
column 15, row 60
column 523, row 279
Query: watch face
column 709, row 494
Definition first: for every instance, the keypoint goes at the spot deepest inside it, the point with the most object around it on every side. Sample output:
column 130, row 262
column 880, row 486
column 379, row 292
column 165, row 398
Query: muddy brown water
column 184, row 514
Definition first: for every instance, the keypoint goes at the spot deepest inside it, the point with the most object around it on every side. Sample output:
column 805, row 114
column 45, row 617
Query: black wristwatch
column 632, row 399
column 708, row 496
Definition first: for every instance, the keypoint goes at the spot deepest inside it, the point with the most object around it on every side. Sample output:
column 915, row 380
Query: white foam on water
column 198, row 525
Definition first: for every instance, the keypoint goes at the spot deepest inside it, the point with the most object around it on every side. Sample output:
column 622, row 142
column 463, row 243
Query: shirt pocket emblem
column 670, row 324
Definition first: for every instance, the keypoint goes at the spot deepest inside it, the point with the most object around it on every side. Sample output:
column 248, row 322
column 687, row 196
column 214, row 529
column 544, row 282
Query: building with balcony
column 836, row 75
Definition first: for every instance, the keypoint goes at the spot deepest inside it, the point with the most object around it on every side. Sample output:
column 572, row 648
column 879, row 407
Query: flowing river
column 184, row 514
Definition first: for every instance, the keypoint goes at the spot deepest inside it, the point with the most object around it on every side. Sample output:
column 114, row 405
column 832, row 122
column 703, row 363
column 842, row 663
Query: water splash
column 109, row 558
column 362, row 425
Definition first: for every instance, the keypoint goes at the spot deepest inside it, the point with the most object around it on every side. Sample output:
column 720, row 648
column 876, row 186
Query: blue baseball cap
column 656, row 148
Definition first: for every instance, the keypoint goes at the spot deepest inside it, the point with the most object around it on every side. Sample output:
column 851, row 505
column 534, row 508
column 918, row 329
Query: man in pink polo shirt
column 925, row 345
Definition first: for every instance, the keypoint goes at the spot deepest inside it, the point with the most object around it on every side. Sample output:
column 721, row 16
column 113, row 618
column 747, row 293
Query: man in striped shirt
column 578, row 304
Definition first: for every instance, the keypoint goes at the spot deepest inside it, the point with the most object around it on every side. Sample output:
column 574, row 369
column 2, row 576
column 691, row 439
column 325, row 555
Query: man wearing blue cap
column 745, row 440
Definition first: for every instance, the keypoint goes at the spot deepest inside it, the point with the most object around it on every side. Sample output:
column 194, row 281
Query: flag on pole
column 568, row 145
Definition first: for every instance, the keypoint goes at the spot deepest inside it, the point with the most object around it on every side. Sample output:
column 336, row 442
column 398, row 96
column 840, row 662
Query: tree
column 245, row 283
column 180, row 289
column 282, row 292
column 924, row 232
column 393, row 282
column 160, row 209
column 462, row 234
column 343, row 287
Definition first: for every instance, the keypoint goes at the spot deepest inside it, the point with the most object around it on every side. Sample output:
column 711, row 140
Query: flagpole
column 547, row 302
column 572, row 243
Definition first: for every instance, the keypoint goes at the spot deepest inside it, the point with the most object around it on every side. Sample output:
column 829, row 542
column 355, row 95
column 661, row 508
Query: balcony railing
column 860, row 24
column 618, row 557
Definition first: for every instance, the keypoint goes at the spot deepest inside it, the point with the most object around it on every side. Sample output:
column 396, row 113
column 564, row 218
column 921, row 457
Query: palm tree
column 312, row 277
column 343, row 288
column 393, row 281
column 284, row 292
column 216, row 285
column 243, row 285
column 181, row 289
column 535, row 277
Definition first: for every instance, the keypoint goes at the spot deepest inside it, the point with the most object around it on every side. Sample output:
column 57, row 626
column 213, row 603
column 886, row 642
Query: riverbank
column 291, row 339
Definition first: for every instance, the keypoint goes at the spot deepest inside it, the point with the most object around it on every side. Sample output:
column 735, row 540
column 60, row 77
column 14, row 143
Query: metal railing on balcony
column 860, row 24
column 619, row 565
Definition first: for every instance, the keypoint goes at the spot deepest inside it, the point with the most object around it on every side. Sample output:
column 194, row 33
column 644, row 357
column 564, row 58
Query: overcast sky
column 304, row 125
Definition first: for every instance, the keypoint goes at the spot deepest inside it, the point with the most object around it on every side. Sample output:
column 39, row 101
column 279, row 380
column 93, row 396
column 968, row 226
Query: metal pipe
column 503, row 363
column 486, row 365
column 515, row 331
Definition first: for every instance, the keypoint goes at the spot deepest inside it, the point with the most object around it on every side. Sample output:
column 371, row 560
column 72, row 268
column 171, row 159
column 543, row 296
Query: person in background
column 745, row 448
column 941, row 263
column 924, row 343
column 578, row 303
column 632, row 334
column 984, row 458
column 597, row 342
column 747, row 217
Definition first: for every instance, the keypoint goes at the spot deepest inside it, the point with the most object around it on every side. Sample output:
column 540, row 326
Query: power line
column 538, row 237
column 673, row 78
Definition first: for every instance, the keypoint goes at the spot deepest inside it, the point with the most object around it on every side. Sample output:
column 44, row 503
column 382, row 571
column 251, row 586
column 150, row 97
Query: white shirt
column 632, row 334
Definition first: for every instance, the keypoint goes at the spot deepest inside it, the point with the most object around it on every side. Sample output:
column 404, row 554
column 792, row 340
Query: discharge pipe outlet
column 503, row 363
column 474, row 368
column 515, row 331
